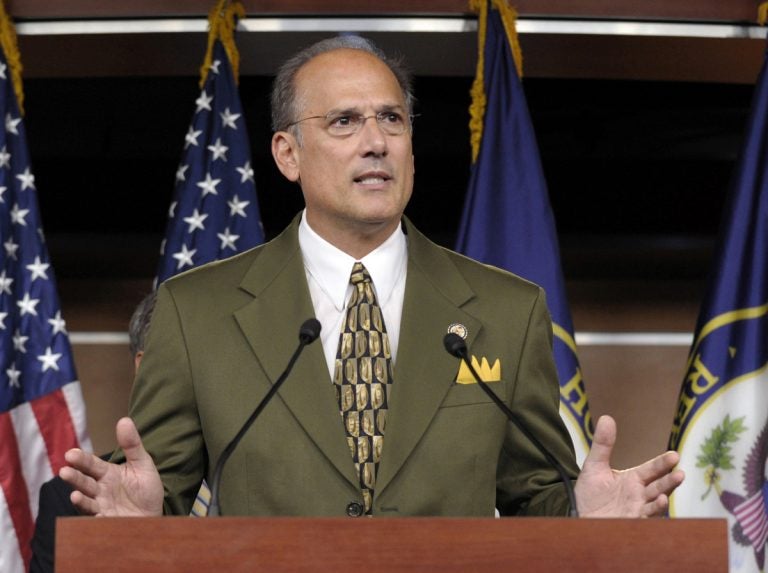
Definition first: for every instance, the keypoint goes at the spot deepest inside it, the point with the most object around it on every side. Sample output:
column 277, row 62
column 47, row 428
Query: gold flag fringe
column 762, row 13
column 10, row 47
column 477, row 107
column 222, row 21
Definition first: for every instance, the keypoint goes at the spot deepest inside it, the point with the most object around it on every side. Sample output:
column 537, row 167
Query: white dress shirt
column 328, row 270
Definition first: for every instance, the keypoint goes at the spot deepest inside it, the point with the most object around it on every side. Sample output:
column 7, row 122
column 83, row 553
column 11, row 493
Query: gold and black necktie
column 362, row 377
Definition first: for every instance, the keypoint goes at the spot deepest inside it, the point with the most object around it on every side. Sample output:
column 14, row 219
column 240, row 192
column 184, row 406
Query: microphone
column 308, row 333
column 455, row 346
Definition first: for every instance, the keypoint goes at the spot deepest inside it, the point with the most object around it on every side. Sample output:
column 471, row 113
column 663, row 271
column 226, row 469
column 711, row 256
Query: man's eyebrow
column 392, row 107
column 343, row 111
column 354, row 110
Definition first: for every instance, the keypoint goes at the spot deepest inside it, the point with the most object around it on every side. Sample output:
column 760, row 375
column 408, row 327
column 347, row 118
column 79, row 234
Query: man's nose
column 372, row 136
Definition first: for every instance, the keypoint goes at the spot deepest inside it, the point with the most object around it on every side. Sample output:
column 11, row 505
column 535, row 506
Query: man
column 373, row 421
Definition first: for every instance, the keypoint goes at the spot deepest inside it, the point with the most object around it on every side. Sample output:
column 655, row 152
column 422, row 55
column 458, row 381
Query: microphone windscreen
column 309, row 331
column 455, row 345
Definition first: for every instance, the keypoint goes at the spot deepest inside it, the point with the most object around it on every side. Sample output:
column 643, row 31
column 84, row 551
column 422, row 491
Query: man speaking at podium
column 378, row 419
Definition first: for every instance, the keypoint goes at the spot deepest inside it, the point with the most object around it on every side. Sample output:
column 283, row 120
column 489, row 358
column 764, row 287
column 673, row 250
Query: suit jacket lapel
column 424, row 371
column 271, row 324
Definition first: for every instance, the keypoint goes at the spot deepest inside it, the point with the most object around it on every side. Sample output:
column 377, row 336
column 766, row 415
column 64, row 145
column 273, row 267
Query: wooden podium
column 344, row 545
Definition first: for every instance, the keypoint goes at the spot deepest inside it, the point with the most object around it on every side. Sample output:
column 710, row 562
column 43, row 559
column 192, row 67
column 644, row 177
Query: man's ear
column 137, row 360
column 285, row 153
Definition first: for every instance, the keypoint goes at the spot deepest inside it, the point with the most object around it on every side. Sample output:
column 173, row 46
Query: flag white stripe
column 73, row 395
column 11, row 560
column 36, row 468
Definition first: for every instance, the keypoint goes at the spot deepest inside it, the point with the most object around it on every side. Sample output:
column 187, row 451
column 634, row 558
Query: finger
column 84, row 504
column 79, row 481
column 130, row 442
column 657, row 467
column 86, row 463
column 603, row 441
column 656, row 508
column 665, row 485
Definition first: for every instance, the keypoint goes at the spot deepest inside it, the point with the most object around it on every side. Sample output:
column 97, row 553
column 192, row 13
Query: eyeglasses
column 343, row 124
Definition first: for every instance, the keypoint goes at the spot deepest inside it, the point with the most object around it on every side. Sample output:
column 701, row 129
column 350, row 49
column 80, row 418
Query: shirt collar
column 331, row 267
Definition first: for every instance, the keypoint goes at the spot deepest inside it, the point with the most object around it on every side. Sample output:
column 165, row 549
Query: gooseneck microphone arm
column 308, row 333
column 456, row 346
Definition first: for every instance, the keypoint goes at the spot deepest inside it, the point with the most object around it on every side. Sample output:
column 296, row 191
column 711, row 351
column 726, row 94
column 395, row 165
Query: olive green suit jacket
column 223, row 333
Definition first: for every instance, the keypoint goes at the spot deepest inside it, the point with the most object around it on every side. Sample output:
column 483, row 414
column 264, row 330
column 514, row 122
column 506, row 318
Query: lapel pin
column 458, row 328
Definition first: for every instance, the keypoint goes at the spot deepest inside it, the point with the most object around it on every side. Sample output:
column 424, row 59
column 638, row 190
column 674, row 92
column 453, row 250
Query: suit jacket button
column 354, row 509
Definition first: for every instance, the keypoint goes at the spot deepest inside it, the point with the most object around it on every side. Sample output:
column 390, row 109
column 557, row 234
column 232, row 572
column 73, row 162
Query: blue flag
column 507, row 220
column 215, row 211
column 721, row 424
column 42, row 413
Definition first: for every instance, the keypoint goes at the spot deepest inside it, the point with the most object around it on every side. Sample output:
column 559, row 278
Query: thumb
column 602, row 442
column 129, row 441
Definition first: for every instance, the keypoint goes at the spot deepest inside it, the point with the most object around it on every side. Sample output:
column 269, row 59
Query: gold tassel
column 11, row 50
column 222, row 21
column 477, row 107
column 762, row 13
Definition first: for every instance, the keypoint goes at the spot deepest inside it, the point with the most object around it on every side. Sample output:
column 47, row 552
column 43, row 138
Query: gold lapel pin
column 458, row 328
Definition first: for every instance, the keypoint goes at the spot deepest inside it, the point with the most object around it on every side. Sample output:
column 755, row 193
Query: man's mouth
column 372, row 178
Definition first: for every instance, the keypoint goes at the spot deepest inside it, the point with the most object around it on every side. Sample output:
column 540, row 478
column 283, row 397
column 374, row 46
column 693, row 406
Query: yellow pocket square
column 487, row 372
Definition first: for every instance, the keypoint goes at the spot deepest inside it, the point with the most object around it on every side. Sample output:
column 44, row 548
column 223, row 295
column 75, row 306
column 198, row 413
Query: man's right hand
column 111, row 490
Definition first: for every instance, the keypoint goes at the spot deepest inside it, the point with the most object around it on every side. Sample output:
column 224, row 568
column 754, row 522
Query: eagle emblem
column 751, row 508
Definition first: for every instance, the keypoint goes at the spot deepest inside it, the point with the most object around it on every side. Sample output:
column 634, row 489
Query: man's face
column 359, row 182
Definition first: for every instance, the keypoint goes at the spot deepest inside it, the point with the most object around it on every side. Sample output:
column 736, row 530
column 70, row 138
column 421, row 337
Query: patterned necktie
column 362, row 376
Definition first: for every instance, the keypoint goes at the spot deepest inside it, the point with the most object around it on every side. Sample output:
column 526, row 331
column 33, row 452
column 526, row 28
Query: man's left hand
column 642, row 491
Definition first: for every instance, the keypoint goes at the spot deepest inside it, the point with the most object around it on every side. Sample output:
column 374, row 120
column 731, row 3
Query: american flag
column 215, row 211
column 42, row 413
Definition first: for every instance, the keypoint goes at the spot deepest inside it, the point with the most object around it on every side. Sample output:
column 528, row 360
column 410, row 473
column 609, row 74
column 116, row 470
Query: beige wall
column 106, row 374
column 638, row 386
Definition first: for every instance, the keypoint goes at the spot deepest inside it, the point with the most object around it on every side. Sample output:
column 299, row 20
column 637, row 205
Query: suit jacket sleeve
column 525, row 482
column 164, row 409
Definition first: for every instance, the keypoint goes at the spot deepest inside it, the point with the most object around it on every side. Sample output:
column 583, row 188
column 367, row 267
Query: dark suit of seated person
column 54, row 503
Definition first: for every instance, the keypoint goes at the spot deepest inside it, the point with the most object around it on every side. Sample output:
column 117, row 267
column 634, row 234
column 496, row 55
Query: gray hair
column 139, row 325
column 284, row 97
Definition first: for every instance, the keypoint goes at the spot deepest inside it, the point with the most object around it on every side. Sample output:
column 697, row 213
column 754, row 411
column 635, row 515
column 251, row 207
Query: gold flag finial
column 10, row 47
column 222, row 21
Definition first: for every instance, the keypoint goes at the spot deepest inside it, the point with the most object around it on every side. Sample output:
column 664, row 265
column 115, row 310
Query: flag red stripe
column 56, row 427
column 14, row 487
